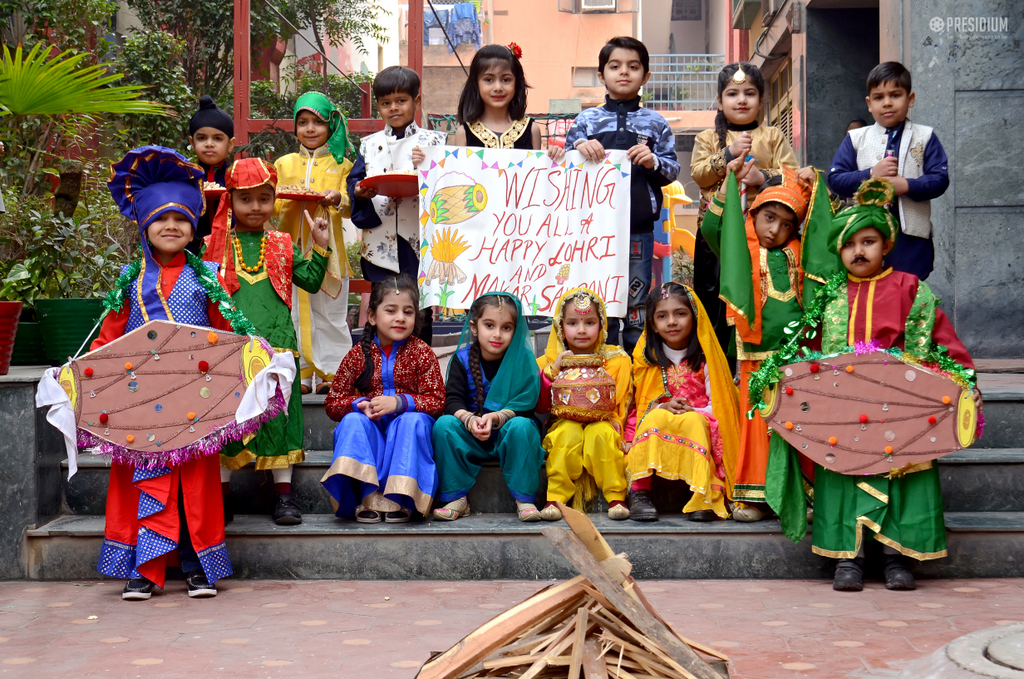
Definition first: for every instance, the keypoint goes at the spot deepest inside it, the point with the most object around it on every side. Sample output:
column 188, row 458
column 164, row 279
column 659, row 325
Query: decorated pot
column 583, row 391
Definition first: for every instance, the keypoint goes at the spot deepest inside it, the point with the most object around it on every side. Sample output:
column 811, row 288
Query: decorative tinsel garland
column 791, row 352
column 114, row 301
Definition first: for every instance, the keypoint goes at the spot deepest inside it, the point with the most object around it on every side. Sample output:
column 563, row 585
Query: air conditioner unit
column 599, row 5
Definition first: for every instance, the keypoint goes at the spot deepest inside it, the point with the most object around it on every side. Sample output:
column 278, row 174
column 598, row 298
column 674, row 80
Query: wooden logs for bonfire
column 598, row 625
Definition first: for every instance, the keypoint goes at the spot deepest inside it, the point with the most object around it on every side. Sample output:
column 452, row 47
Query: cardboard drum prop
column 869, row 413
column 166, row 392
column 583, row 391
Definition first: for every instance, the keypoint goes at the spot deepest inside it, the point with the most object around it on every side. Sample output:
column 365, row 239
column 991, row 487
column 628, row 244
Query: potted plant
column 65, row 273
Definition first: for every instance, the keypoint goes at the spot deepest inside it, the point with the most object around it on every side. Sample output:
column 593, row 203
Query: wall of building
column 970, row 87
column 842, row 47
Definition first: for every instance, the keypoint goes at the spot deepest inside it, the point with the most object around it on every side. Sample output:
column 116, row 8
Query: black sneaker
column 849, row 575
column 137, row 589
column 288, row 512
column 641, row 506
column 897, row 574
column 199, row 586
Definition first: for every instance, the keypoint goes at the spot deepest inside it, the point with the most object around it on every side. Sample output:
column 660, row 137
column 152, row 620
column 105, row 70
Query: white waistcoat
column 399, row 217
column 869, row 142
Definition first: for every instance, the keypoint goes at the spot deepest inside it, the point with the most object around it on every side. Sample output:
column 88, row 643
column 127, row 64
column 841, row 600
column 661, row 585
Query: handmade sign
column 516, row 221
column 869, row 413
column 169, row 392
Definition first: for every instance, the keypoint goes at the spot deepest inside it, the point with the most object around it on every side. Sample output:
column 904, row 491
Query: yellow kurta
column 707, row 163
column 321, row 324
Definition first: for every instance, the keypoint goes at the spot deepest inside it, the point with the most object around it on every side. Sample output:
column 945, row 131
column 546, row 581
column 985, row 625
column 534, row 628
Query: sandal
column 364, row 515
column 305, row 389
column 528, row 512
column 401, row 516
column 551, row 512
column 453, row 510
column 323, row 388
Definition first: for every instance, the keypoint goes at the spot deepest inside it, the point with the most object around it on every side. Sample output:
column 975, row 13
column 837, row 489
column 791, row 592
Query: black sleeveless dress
column 519, row 136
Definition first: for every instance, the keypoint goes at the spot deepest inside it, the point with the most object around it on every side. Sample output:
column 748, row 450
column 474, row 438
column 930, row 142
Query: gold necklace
column 241, row 260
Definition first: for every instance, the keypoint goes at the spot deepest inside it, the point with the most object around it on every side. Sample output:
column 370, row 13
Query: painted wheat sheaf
column 870, row 413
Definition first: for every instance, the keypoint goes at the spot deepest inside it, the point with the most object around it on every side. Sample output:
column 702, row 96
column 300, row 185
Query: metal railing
column 683, row 82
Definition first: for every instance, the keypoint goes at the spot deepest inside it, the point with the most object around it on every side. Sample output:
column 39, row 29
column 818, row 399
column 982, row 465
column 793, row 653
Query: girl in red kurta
column 150, row 512
column 387, row 392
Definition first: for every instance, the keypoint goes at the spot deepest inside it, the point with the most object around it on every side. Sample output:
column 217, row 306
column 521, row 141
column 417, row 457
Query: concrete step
column 1003, row 409
column 978, row 479
column 498, row 546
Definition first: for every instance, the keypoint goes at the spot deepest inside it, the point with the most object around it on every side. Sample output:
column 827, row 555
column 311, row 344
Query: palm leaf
column 38, row 84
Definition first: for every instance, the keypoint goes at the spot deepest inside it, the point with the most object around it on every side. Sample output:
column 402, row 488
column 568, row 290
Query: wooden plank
column 559, row 647
column 499, row 631
column 700, row 647
column 587, row 532
column 576, row 662
column 593, row 665
column 579, row 556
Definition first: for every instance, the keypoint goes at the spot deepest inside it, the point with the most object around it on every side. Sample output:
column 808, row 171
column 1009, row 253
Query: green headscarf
column 337, row 127
column 871, row 210
column 516, row 386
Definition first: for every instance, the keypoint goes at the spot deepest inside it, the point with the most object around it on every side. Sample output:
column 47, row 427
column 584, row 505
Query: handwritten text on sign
column 519, row 222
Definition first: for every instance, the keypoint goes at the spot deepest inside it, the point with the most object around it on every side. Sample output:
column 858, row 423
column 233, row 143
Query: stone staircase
column 983, row 493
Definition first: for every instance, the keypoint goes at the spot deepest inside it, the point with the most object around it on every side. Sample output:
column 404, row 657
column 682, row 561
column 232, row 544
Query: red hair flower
column 516, row 50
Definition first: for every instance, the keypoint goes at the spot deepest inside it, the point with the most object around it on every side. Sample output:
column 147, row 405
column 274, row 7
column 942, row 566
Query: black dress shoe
column 849, row 575
column 641, row 506
column 288, row 512
column 137, row 589
column 897, row 574
column 703, row 515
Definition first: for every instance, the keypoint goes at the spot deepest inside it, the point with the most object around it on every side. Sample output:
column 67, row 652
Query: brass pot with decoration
column 583, row 391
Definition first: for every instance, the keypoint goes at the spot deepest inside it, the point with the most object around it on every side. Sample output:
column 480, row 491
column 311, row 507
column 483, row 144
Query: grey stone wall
column 842, row 47
column 970, row 87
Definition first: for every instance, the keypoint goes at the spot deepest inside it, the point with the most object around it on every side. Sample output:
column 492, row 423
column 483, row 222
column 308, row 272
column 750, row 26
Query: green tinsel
column 114, row 301
column 791, row 352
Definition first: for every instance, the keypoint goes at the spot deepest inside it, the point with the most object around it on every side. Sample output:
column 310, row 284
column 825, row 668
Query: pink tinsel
column 866, row 347
column 210, row 444
column 981, row 425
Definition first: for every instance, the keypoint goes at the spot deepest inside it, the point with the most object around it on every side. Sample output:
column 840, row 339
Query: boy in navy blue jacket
column 908, row 154
column 624, row 67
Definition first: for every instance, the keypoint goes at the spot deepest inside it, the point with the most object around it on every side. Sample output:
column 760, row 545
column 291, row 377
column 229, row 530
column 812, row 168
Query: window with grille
column 687, row 10
column 778, row 104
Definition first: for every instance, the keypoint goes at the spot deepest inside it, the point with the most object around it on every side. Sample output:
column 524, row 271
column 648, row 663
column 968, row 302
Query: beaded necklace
column 241, row 260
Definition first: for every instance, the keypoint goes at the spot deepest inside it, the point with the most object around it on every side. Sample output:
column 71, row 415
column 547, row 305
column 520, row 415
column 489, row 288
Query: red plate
column 393, row 185
column 301, row 197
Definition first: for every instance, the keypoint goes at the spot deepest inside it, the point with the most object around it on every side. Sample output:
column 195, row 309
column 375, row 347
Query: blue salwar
column 393, row 455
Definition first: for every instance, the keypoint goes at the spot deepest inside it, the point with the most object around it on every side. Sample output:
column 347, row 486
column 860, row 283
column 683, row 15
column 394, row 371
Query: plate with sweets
column 299, row 193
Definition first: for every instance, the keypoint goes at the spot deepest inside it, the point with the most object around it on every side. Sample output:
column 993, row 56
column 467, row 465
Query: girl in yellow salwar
column 687, row 407
column 581, row 454
column 319, row 166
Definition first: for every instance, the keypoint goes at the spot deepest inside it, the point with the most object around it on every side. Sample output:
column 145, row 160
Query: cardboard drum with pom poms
column 870, row 413
column 169, row 392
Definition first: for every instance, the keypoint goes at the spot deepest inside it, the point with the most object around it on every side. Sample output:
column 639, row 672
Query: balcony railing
column 683, row 82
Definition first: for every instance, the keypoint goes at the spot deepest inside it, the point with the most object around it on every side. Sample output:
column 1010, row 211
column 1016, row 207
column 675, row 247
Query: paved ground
column 377, row 630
